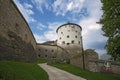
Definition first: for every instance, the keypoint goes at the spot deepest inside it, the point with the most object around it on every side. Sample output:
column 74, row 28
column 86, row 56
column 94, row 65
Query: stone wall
column 77, row 61
column 92, row 63
column 50, row 51
column 101, row 66
column 83, row 60
column 16, row 39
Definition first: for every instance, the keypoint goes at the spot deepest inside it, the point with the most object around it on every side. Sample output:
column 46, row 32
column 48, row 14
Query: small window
column 67, row 36
column 46, row 50
column 72, row 41
column 76, row 31
column 75, row 36
column 39, row 55
column 68, row 30
column 39, row 49
column 79, row 42
column 45, row 55
column 63, row 42
column 61, row 32
column 60, row 37
column 52, row 50
column 68, row 43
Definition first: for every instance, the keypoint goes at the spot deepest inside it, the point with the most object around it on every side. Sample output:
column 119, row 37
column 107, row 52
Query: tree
column 110, row 21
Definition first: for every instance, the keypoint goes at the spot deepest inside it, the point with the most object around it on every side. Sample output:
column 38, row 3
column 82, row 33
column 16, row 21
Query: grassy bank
column 41, row 61
column 10, row 70
column 86, row 74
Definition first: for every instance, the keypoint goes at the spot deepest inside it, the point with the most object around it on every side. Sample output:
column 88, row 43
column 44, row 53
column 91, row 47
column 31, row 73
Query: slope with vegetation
column 86, row 74
column 10, row 70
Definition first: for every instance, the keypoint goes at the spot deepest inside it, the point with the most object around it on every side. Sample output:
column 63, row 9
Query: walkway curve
column 57, row 74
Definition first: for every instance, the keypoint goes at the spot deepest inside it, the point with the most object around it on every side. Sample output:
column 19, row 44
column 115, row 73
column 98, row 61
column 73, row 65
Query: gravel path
column 57, row 74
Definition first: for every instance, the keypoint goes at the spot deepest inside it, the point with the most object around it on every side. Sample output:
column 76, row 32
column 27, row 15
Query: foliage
column 111, row 26
column 10, row 70
column 41, row 61
column 86, row 74
column 59, row 61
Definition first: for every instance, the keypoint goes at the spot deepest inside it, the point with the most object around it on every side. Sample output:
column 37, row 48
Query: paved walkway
column 57, row 74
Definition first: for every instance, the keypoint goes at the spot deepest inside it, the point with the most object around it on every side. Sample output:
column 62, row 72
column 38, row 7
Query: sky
column 45, row 16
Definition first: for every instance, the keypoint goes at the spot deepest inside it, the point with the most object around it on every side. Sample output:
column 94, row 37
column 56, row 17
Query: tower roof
column 68, row 24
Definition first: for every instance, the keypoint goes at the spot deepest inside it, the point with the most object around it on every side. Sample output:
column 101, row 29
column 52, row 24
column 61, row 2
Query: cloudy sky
column 45, row 16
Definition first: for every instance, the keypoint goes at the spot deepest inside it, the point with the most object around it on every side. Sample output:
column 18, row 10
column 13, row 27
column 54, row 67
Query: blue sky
column 45, row 16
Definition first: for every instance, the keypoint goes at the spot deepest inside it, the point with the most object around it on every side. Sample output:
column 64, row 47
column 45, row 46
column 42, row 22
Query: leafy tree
column 111, row 26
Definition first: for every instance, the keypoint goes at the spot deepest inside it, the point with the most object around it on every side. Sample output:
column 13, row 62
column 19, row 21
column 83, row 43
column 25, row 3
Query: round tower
column 69, row 36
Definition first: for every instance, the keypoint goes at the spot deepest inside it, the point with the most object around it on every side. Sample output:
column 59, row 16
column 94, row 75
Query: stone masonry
column 16, row 39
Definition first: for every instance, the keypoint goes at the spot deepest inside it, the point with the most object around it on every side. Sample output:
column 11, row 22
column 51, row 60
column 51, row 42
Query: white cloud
column 39, row 38
column 50, row 34
column 26, row 10
column 28, row 5
column 40, row 4
column 61, row 7
column 92, row 33
column 40, row 26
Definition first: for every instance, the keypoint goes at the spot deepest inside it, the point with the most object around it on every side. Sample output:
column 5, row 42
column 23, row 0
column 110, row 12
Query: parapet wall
column 92, row 63
column 51, row 51
column 103, row 66
column 16, row 39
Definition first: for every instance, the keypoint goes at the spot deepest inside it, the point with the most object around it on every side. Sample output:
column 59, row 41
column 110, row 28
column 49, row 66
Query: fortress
column 17, row 42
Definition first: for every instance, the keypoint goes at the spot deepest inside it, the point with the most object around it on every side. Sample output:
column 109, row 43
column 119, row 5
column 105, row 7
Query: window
column 39, row 55
column 72, row 41
column 76, row 31
column 45, row 55
column 79, row 42
column 60, row 37
column 39, row 49
column 68, row 30
column 61, row 32
column 46, row 50
column 67, row 36
column 68, row 43
column 63, row 42
column 52, row 50
column 75, row 36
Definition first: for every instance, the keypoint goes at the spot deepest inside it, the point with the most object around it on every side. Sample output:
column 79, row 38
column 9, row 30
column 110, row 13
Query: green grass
column 41, row 61
column 86, row 74
column 10, row 70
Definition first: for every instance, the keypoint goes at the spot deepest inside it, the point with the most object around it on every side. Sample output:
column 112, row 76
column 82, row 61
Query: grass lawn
column 86, row 74
column 10, row 70
column 41, row 61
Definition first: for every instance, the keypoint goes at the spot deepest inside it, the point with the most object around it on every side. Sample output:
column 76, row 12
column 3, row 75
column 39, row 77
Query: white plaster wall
column 71, row 30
